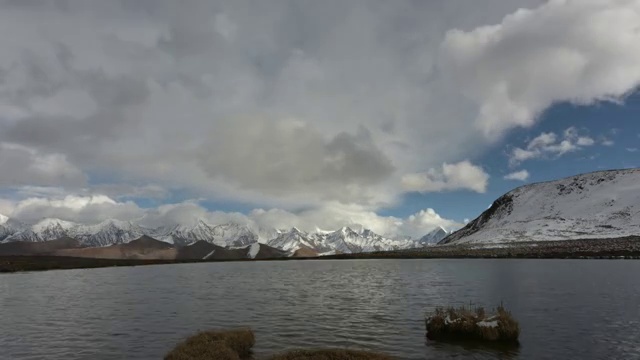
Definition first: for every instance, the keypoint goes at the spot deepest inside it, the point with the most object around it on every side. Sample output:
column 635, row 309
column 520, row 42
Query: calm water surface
column 568, row 309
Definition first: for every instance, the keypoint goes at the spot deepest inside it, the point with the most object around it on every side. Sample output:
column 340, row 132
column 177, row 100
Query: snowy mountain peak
column 604, row 204
column 201, row 223
column 367, row 232
column 117, row 223
column 347, row 231
column 51, row 223
column 434, row 236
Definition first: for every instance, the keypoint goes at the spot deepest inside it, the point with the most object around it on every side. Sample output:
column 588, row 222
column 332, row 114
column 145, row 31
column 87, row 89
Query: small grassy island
column 466, row 324
column 237, row 344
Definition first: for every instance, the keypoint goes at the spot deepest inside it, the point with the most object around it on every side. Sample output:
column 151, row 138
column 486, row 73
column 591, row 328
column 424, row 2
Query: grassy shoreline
column 627, row 248
column 238, row 344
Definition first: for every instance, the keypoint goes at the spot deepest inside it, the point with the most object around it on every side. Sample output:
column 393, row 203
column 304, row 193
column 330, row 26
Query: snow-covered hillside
column 603, row 204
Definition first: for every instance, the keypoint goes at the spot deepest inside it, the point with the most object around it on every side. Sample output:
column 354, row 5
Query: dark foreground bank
column 38, row 263
column 238, row 344
column 621, row 248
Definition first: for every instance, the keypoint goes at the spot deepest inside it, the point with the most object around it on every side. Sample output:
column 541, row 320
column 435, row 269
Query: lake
column 568, row 309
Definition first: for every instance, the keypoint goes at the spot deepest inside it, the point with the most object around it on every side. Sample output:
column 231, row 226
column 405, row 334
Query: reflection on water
column 484, row 350
column 567, row 309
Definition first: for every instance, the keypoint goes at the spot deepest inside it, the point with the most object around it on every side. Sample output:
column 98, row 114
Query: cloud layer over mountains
column 318, row 112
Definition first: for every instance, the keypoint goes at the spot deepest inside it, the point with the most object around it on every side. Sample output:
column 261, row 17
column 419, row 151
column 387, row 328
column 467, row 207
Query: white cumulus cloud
column 521, row 175
column 92, row 209
column 549, row 144
column 578, row 51
column 84, row 209
column 459, row 176
column 337, row 107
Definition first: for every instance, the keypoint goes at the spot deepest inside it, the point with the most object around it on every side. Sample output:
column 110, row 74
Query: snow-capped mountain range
column 344, row 240
column 226, row 235
column 112, row 232
column 599, row 205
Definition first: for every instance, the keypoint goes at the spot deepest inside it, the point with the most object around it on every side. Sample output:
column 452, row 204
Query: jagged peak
column 233, row 225
column 368, row 232
column 296, row 230
column 196, row 223
column 346, row 229
column 200, row 222
column 438, row 229
column 52, row 222
column 321, row 231
column 116, row 223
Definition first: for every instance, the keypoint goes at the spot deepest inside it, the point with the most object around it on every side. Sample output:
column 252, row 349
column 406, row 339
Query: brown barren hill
column 144, row 247
column 268, row 252
column 305, row 252
column 203, row 250
column 38, row 248
column 197, row 251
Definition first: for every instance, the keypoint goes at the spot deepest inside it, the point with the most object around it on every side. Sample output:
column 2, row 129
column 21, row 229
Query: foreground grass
column 330, row 354
column 466, row 324
column 237, row 344
column 223, row 345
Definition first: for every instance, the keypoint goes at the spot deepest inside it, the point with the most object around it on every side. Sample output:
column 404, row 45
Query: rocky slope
column 599, row 205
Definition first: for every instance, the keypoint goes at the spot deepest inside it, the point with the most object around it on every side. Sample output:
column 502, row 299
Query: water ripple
column 567, row 309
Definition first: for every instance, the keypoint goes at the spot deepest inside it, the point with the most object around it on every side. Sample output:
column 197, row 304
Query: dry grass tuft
column 237, row 344
column 218, row 345
column 472, row 324
column 330, row 354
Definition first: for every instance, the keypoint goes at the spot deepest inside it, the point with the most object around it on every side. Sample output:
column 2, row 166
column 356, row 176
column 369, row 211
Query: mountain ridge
column 227, row 235
column 599, row 204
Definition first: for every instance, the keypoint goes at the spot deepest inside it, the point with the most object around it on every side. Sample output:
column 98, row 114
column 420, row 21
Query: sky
column 398, row 116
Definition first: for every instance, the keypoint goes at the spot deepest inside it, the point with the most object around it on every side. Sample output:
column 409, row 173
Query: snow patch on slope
column 253, row 250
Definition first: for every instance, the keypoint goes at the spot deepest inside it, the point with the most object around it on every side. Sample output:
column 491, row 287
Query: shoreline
column 620, row 248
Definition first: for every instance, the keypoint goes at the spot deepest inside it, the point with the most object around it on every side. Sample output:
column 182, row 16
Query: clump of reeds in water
column 237, row 345
column 467, row 324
